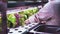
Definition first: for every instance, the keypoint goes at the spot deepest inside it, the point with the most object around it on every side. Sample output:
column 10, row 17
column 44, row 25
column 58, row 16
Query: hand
column 27, row 22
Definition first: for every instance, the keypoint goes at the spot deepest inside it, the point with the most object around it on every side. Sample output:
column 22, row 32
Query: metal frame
column 3, row 8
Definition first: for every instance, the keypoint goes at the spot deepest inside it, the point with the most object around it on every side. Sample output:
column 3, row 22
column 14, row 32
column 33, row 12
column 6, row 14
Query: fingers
column 43, row 22
column 27, row 22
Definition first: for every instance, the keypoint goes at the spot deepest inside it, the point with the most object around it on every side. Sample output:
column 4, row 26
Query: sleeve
column 46, row 13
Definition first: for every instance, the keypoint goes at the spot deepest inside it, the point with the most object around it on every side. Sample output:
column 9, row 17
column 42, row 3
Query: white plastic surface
column 21, row 29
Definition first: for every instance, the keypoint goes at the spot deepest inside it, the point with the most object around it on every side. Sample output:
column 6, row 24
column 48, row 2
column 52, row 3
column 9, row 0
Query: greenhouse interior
column 29, row 16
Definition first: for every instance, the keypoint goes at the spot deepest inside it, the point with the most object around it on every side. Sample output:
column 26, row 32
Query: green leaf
column 12, row 18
